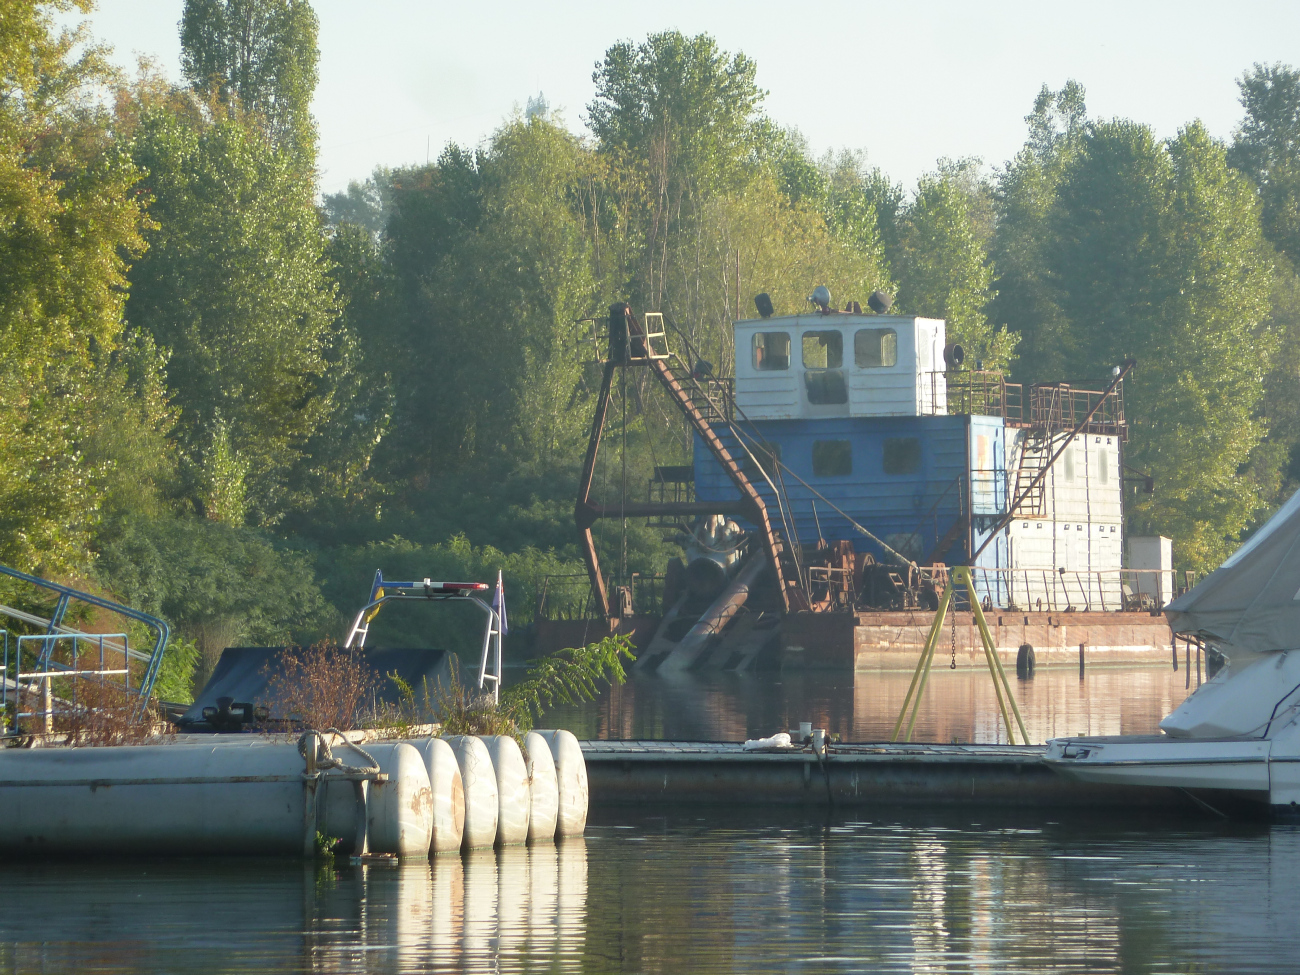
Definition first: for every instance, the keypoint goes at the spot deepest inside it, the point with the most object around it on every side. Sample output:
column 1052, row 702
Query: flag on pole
column 499, row 603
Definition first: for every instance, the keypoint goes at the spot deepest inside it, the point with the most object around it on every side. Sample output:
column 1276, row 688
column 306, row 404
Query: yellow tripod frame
column 960, row 576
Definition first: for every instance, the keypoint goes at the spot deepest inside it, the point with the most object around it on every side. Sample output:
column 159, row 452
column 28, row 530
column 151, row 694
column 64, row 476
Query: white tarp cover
column 1251, row 601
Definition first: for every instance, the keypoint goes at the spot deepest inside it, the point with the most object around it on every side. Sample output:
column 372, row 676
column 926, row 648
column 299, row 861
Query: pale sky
column 907, row 82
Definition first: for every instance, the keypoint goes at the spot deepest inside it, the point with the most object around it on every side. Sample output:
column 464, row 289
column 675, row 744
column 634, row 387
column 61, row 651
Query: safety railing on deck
column 138, row 667
column 1065, row 590
column 62, row 685
column 568, row 597
column 979, row 393
column 1053, row 406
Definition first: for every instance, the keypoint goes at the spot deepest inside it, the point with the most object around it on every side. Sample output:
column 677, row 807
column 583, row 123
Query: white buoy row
column 512, row 796
column 243, row 794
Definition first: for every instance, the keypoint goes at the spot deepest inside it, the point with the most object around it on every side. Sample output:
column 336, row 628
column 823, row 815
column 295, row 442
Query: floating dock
column 890, row 774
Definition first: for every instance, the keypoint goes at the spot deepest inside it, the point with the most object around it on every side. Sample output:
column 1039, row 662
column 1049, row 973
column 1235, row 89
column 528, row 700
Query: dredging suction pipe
column 961, row 575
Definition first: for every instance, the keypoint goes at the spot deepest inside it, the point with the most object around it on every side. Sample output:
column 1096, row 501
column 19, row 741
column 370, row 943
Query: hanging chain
column 952, row 611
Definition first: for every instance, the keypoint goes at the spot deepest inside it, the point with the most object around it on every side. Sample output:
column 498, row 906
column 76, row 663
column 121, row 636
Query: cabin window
column 767, row 456
column 902, row 455
column 875, row 348
column 832, row 458
column 823, row 350
column 823, row 356
column 771, row 351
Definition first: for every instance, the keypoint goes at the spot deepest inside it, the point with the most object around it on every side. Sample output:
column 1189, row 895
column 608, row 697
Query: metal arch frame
column 54, row 625
column 491, row 631
column 631, row 345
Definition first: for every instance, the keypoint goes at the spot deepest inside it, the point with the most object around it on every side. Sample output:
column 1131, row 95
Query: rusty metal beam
column 587, row 541
column 753, row 506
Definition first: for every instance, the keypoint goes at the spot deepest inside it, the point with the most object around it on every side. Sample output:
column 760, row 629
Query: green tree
column 943, row 265
column 217, row 584
column 69, row 223
column 1026, row 296
column 679, row 105
column 1159, row 256
column 681, row 114
column 491, row 267
column 235, row 287
column 363, row 204
column 260, row 57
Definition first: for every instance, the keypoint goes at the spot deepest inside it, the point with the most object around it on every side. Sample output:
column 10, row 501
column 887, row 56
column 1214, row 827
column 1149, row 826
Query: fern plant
column 568, row 676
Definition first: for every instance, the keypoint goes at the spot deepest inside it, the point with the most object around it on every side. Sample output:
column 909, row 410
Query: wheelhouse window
column 832, row 458
column 875, row 348
column 902, row 455
column 771, row 351
column 823, row 359
column 823, row 350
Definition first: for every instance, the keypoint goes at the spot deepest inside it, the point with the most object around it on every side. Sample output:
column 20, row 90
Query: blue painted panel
column 911, row 509
column 988, row 465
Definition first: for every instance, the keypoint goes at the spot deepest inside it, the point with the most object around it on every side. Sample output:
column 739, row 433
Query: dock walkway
column 716, row 773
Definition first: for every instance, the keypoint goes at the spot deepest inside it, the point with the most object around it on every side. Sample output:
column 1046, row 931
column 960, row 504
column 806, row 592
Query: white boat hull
column 1234, row 765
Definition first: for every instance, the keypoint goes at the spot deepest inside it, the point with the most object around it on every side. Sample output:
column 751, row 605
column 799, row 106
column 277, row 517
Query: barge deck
column 622, row 773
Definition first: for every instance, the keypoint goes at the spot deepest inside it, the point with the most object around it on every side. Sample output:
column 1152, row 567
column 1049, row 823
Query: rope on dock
column 325, row 756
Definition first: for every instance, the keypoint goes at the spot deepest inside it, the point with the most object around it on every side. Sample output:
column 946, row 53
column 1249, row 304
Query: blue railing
column 55, row 630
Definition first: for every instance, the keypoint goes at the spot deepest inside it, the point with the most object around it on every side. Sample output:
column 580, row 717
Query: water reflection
column 763, row 892
column 958, row 705
column 511, row 911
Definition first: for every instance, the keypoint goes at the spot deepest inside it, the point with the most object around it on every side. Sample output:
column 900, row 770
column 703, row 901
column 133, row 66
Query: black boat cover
column 244, row 675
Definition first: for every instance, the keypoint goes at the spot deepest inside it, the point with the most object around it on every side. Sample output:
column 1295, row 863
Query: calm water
column 958, row 705
column 893, row 893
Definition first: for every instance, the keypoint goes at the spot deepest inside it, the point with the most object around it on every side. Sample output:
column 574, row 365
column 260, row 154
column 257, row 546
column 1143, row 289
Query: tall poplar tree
column 259, row 56
column 1159, row 255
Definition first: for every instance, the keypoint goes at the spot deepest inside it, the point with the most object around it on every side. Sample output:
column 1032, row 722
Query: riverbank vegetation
column 226, row 400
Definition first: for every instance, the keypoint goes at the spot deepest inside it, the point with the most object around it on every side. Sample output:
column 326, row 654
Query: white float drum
column 479, row 780
column 448, row 794
column 544, row 790
column 400, row 809
column 512, row 789
column 571, row 778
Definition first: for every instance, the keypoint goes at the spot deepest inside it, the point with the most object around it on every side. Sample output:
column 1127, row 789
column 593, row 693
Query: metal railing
column 569, row 597
column 58, row 682
column 979, row 393
column 1065, row 590
column 65, row 596
column 1053, row 406
column 1059, row 406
